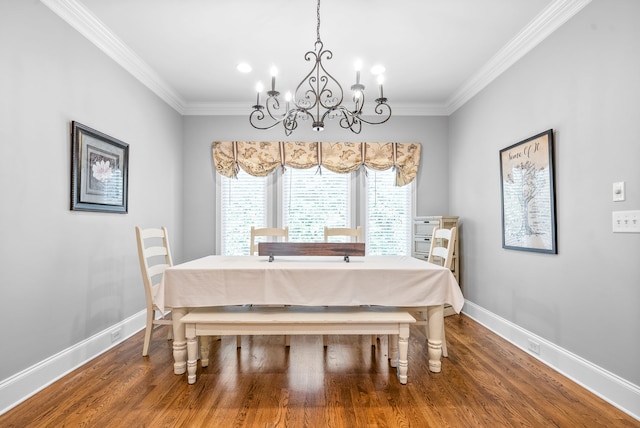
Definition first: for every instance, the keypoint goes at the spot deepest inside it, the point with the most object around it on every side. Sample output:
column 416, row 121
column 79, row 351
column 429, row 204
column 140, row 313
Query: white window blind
column 311, row 200
column 243, row 204
column 307, row 201
column 389, row 212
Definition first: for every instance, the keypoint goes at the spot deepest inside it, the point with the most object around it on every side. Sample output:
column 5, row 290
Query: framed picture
column 528, row 200
column 99, row 171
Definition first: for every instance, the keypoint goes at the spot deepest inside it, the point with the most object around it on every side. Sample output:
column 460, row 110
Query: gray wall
column 584, row 82
column 200, row 131
column 66, row 275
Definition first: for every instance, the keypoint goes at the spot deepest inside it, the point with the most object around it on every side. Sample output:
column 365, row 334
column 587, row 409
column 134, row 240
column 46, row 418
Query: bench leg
column 205, row 343
column 403, row 351
column 393, row 350
column 192, row 353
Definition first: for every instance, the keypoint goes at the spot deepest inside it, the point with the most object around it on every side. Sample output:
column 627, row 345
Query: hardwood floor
column 485, row 382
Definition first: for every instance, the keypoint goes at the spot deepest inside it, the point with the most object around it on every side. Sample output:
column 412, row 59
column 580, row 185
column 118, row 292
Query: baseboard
column 617, row 391
column 28, row 382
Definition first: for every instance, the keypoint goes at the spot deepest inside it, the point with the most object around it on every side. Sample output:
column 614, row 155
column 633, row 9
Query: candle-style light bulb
column 287, row 98
column 274, row 73
column 358, row 66
column 380, row 82
column 259, row 88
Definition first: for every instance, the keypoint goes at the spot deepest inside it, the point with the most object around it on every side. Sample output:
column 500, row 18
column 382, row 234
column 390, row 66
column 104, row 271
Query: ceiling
column 437, row 53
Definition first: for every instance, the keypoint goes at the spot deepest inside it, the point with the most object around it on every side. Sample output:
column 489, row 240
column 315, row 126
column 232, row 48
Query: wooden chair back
column 154, row 255
column 270, row 232
column 343, row 231
column 441, row 252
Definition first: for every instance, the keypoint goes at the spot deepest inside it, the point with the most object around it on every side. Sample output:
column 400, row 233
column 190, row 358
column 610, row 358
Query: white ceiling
column 437, row 53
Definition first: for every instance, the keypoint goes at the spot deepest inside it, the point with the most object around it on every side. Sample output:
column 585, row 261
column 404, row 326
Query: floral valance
column 260, row 158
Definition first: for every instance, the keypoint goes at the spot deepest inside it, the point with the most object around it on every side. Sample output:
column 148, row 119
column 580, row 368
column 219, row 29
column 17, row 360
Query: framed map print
column 528, row 200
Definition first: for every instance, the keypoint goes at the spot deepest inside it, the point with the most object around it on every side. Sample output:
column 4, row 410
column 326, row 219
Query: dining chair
column 155, row 256
column 442, row 254
column 267, row 232
column 349, row 233
column 343, row 231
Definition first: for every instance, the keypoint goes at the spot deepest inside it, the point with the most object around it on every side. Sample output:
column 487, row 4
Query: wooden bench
column 296, row 320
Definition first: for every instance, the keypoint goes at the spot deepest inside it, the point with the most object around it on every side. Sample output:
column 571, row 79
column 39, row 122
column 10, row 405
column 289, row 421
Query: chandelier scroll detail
column 318, row 97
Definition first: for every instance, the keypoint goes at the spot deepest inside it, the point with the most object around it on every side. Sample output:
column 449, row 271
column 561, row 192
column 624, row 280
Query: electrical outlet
column 534, row 347
column 626, row 221
column 115, row 335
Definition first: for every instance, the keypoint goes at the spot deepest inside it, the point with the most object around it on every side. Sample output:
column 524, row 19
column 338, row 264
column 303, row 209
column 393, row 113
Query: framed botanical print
column 99, row 171
column 528, row 199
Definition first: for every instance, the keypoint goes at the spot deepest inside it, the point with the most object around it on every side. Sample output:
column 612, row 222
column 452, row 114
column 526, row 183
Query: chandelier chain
column 318, row 26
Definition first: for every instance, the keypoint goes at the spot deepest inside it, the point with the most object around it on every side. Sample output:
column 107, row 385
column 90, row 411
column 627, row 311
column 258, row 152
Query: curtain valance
column 260, row 158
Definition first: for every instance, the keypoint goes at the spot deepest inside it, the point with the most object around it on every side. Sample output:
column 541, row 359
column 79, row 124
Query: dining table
column 391, row 281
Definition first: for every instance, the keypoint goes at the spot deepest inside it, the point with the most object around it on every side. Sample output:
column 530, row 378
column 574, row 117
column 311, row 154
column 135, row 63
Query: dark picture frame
column 99, row 171
column 528, row 195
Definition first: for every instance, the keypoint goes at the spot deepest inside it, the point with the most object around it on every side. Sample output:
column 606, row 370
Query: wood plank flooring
column 485, row 382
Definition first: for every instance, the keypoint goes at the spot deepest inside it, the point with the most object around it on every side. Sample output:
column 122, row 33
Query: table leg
column 393, row 350
column 192, row 353
column 436, row 320
column 403, row 357
column 179, row 341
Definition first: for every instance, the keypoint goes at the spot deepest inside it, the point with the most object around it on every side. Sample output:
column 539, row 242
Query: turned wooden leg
column 393, row 350
column 403, row 353
column 205, row 342
column 436, row 320
column 179, row 342
column 192, row 353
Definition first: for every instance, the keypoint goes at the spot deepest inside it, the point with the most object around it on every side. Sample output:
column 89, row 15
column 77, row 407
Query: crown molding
column 549, row 20
column 86, row 23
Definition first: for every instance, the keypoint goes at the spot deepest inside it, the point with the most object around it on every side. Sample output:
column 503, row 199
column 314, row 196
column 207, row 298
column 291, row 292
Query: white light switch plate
column 626, row 221
column 618, row 191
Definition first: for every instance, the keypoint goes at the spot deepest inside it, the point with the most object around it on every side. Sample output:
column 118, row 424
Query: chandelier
column 317, row 97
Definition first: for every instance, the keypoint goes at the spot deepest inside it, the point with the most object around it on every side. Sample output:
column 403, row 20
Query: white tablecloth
column 308, row 281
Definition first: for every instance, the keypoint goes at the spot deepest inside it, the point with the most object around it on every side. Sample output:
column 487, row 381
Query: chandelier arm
column 350, row 121
column 258, row 115
column 379, row 110
column 273, row 103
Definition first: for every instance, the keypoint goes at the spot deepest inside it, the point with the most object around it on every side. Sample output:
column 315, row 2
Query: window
column 306, row 201
column 312, row 199
column 389, row 213
column 243, row 203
